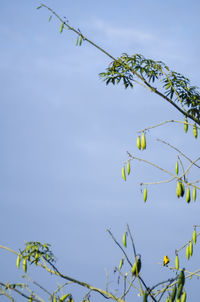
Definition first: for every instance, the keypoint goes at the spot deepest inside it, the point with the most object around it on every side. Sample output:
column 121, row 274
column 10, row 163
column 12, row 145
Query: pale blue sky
column 64, row 135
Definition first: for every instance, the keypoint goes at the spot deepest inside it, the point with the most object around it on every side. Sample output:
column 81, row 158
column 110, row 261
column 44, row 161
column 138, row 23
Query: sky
column 64, row 136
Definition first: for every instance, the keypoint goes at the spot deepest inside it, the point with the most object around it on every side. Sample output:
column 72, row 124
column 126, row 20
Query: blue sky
column 64, row 135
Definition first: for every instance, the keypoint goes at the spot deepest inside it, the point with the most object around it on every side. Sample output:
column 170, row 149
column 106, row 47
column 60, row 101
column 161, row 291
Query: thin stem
column 176, row 149
column 112, row 236
column 157, row 182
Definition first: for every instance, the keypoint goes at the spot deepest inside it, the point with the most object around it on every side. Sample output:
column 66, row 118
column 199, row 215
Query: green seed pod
column 121, row 264
column 179, row 292
column 188, row 195
column 176, row 168
column 18, row 261
column 191, row 248
column 136, row 267
column 187, row 252
column 195, row 132
column 186, row 125
column 30, row 299
column 181, row 278
column 182, row 189
column 194, row 236
column 145, row 194
column 139, row 142
column 194, row 194
column 183, row 298
column 80, row 40
column 145, row 296
column 61, row 27
column 177, row 262
column 54, row 299
column 124, row 240
column 128, row 167
column 25, row 265
column 178, row 189
column 123, row 173
column 173, row 294
column 143, row 141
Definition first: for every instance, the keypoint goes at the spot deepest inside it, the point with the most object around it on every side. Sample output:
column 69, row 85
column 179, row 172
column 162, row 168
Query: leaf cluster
column 174, row 86
column 35, row 250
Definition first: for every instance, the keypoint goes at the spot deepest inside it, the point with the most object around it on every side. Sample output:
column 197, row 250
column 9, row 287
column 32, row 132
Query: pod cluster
column 141, row 142
column 188, row 249
column 180, row 191
column 195, row 130
column 127, row 169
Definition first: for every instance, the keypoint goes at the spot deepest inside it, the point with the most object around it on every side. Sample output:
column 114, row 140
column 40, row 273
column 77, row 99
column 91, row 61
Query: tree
column 176, row 90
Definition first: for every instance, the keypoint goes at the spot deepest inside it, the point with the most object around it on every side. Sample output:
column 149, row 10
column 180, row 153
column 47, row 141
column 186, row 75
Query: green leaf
column 39, row 7
column 50, row 17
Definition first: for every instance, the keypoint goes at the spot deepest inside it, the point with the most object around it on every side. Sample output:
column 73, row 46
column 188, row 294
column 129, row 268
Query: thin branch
column 152, row 164
column 157, row 182
column 127, row 67
column 129, row 262
column 20, row 293
column 133, row 245
column 163, row 123
column 176, row 149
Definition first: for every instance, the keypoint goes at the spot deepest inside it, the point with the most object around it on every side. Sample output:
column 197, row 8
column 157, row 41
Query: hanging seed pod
column 139, row 142
column 121, row 264
column 30, row 298
column 18, row 261
column 54, row 299
column 183, row 298
column 195, row 132
column 80, row 40
column 177, row 262
column 25, row 265
column 179, row 292
column 194, row 194
column 136, row 266
column 178, row 189
column 187, row 252
column 143, row 141
column 173, row 294
column 191, row 248
column 188, row 195
column 128, row 167
column 123, row 173
column 145, row 194
column 176, row 168
column 194, row 236
column 181, row 278
column 182, row 189
column 186, row 125
column 124, row 240
column 61, row 27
